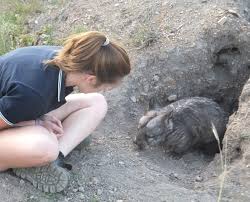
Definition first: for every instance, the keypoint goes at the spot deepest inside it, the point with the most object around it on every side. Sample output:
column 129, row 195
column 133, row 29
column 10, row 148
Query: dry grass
column 223, row 160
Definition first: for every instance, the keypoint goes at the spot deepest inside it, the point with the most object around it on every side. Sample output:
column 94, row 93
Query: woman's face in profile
column 89, row 85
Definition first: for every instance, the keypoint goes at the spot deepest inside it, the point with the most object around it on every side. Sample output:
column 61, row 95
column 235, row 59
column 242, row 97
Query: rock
column 133, row 98
column 156, row 78
column 223, row 20
column 173, row 176
column 32, row 197
column 121, row 163
column 199, row 178
column 75, row 190
column 99, row 191
column 172, row 98
column 176, row 175
column 144, row 94
column 22, row 182
column 233, row 12
column 81, row 189
column 119, row 201
column 81, row 196
column 95, row 180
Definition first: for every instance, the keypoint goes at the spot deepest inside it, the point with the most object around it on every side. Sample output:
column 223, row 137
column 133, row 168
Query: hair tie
column 106, row 42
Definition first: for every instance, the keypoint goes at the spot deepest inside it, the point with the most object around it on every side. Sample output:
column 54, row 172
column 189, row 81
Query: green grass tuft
column 13, row 19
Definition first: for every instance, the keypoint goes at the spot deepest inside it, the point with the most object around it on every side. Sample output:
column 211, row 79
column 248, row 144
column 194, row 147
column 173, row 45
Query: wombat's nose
column 139, row 144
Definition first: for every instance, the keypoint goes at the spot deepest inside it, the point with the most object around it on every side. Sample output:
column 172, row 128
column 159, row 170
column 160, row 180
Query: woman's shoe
column 50, row 178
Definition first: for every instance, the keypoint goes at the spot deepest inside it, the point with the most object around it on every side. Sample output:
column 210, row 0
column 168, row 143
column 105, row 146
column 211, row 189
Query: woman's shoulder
column 26, row 65
column 31, row 52
column 27, row 59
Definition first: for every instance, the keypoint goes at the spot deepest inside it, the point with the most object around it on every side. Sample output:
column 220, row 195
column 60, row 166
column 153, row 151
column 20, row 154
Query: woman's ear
column 91, row 79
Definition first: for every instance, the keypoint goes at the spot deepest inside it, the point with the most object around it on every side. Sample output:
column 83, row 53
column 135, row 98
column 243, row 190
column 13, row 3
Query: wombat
column 182, row 125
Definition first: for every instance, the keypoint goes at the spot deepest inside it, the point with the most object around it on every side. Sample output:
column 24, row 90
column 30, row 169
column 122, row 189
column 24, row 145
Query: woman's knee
column 99, row 102
column 96, row 101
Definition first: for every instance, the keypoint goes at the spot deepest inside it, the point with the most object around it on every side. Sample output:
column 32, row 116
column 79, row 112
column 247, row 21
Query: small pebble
column 81, row 189
column 81, row 196
column 22, row 182
column 172, row 98
column 223, row 20
column 75, row 190
column 133, row 98
column 198, row 179
column 121, row 163
column 95, row 180
column 119, row 201
column 173, row 175
column 32, row 197
column 99, row 191
column 156, row 78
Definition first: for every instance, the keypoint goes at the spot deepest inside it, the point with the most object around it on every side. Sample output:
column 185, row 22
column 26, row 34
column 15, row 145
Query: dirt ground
column 169, row 43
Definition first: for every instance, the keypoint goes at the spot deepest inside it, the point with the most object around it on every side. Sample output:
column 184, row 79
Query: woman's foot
column 50, row 178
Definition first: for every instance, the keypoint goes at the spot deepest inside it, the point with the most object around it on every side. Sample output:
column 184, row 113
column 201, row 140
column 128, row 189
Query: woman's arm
column 25, row 123
column 3, row 124
column 51, row 123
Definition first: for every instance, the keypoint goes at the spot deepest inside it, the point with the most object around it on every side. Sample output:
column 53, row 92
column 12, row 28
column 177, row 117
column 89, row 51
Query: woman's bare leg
column 33, row 146
column 26, row 147
column 80, row 116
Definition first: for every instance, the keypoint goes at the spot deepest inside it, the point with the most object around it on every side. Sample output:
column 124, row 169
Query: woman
column 37, row 122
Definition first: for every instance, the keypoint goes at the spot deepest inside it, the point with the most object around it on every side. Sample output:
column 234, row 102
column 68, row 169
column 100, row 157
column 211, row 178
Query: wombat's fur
column 182, row 125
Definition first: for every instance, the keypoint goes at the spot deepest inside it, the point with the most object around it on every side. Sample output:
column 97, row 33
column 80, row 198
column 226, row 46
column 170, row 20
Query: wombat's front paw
column 153, row 141
column 146, row 118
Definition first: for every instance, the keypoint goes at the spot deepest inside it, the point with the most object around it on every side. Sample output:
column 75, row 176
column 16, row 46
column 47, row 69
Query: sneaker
column 50, row 178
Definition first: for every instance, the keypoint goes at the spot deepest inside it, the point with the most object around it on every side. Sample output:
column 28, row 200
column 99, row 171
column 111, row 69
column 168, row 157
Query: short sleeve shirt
column 29, row 87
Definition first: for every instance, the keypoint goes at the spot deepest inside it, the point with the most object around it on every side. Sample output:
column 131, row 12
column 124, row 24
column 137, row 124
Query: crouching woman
column 40, row 120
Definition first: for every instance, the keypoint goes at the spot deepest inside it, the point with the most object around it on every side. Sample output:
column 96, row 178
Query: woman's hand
column 52, row 124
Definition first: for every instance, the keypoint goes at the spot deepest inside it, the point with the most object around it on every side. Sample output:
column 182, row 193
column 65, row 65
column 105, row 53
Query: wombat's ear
column 146, row 118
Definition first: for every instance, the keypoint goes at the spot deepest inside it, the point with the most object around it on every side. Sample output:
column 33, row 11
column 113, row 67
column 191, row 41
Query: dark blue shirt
column 28, row 87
